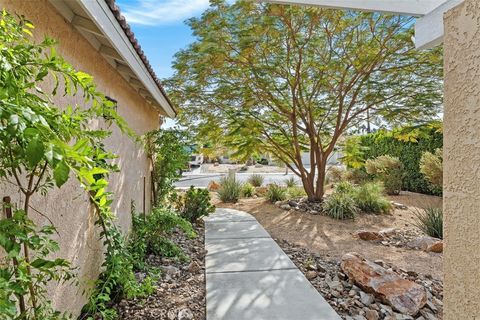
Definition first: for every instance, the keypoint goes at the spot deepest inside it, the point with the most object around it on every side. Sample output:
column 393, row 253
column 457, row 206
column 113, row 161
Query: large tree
column 291, row 79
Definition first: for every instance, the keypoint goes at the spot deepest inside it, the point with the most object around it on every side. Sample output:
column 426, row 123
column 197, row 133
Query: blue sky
column 159, row 27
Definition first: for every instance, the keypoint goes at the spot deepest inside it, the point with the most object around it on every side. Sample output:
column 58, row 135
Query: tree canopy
column 291, row 79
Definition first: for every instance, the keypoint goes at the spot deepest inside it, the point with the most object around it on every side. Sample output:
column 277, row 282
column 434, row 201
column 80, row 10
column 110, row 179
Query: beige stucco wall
column 462, row 162
column 68, row 208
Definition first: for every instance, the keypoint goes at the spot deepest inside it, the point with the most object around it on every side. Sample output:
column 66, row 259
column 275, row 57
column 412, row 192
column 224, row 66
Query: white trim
column 102, row 16
column 407, row 7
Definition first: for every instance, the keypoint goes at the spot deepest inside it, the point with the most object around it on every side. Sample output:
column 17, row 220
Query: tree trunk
column 315, row 186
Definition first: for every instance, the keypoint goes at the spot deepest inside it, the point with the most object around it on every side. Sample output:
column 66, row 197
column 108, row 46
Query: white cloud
column 155, row 12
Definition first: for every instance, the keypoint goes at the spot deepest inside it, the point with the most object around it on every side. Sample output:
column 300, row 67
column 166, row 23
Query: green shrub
column 431, row 166
column 409, row 151
column 195, row 204
column 248, row 190
column 295, row 192
column 230, row 190
column 430, row 221
column 335, row 174
column 369, row 198
column 387, row 169
column 355, row 176
column 290, row 182
column 256, row 180
column 340, row 206
column 345, row 187
column 276, row 193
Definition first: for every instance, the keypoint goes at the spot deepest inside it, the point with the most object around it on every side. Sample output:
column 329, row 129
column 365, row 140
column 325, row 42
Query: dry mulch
column 180, row 294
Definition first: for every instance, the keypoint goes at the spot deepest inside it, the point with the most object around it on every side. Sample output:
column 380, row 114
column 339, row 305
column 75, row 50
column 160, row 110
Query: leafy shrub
column 369, row 198
column 409, row 151
column 290, row 182
column 335, row 174
column 431, row 166
column 388, row 170
column 195, row 204
column 353, row 153
column 356, row 176
column 256, row 180
column 345, row 187
column 430, row 221
column 340, row 206
column 230, row 190
column 295, row 192
column 276, row 193
column 248, row 190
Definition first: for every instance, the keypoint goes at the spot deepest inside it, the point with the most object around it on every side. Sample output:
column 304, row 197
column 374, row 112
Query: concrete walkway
column 249, row 277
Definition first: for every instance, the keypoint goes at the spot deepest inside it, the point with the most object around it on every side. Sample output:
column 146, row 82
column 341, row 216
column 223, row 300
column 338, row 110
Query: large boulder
column 405, row 296
column 426, row 243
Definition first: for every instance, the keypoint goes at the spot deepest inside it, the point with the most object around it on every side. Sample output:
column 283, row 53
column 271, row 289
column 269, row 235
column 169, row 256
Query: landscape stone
column 369, row 235
column 403, row 295
column 371, row 315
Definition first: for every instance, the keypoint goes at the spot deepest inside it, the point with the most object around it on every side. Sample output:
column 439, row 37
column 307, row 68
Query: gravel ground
column 180, row 294
column 325, row 274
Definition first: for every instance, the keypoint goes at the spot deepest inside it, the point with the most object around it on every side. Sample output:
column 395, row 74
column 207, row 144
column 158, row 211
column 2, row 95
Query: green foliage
column 295, row 192
column 290, row 182
column 276, row 193
column 335, row 174
column 340, row 206
column 408, row 150
column 369, row 198
column 256, row 180
column 150, row 235
column 195, row 204
column 430, row 221
column 353, row 153
column 388, row 170
column 248, row 190
column 167, row 150
column 431, row 166
column 17, row 278
column 230, row 190
column 278, row 79
column 345, row 187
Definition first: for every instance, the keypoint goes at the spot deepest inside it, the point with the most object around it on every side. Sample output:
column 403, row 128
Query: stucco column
column 462, row 162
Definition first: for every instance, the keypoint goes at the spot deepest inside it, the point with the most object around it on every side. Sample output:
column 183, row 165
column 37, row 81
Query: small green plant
column 248, row 190
column 345, row 187
column 353, row 153
column 431, row 166
column 230, row 190
column 389, row 170
column 276, row 193
column 335, row 174
column 290, row 182
column 356, row 176
column 369, row 198
column 256, row 180
column 430, row 221
column 195, row 204
column 340, row 206
column 295, row 192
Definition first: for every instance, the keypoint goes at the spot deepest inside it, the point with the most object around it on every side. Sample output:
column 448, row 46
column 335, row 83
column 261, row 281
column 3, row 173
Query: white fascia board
column 429, row 28
column 101, row 14
column 406, row 7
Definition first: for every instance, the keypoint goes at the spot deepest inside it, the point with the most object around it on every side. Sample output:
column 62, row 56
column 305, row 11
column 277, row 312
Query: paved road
column 201, row 180
column 249, row 276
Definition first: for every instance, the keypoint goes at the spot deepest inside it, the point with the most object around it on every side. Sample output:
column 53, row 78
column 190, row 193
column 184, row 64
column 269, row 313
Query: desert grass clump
column 340, row 206
column 256, row 180
column 290, row 182
column 345, row 187
column 369, row 198
column 248, row 190
column 430, row 221
column 276, row 193
column 335, row 174
column 295, row 192
column 230, row 190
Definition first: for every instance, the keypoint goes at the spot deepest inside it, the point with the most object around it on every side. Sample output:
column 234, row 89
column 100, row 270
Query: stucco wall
column 69, row 208
column 462, row 162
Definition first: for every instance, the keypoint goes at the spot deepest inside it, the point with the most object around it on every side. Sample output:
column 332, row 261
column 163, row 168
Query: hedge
column 409, row 152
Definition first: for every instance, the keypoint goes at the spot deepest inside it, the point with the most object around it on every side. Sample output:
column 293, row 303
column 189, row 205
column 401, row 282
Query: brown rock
column 371, row 315
column 369, row 235
column 194, row 267
column 213, row 186
column 422, row 243
column 311, row 274
column 403, row 295
column 437, row 247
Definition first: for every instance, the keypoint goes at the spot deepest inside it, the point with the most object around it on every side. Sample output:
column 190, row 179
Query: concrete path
column 249, row 277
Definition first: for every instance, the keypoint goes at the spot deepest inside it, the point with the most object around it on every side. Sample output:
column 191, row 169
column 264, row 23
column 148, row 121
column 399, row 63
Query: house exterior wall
column 461, row 156
column 69, row 208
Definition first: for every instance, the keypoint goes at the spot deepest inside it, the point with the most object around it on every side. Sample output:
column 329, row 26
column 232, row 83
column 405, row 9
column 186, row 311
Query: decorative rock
column 311, row 274
column 437, row 247
column 388, row 232
column 213, row 186
column 293, row 204
column 369, row 235
column 422, row 243
column 367, row 299
column 194, row 267
column 403, row 295
column 285, row 207
column 399, row 206
column 185, row 314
